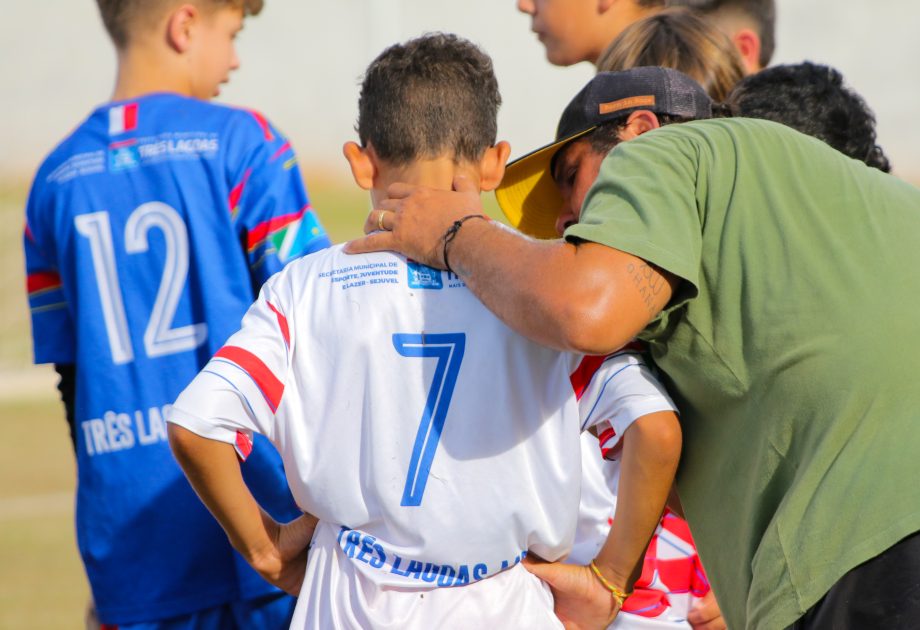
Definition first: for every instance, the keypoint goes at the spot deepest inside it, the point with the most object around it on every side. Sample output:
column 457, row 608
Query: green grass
column 42, row 584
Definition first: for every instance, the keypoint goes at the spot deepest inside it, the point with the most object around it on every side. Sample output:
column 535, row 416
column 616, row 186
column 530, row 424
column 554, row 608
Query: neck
column 142, row 71
column 437, row 173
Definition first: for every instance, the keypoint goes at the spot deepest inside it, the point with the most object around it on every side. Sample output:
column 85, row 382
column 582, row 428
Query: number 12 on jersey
column 448, row 349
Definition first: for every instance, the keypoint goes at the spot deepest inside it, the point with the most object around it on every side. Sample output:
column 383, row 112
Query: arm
column 651, row 451
column 587, row 298
column 67, row 386
column 277, row 552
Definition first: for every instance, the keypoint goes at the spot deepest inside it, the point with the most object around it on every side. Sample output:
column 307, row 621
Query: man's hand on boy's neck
column 376, row 175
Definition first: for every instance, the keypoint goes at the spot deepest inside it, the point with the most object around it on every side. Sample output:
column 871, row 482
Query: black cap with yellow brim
column 528, row 195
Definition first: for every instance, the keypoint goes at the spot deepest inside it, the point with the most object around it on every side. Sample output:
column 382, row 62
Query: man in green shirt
column 775, row 282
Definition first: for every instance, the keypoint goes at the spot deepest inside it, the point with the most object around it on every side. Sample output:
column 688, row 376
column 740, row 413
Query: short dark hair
column 121, row 17
column 428, row 97
column 814, row 100
column 763, row 12
column 607, row 135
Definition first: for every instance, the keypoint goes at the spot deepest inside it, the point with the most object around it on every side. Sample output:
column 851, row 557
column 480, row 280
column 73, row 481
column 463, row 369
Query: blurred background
column 301, row 66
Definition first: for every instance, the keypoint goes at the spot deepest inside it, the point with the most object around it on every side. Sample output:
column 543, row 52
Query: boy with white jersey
column 435, row 447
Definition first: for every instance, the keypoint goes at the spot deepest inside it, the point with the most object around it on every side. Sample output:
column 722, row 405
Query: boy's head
column 428, row 110
column 814, row 100
column 580, row 30
column 178, row 45
column 677, row 38
column 750, row 24
column 542, row 192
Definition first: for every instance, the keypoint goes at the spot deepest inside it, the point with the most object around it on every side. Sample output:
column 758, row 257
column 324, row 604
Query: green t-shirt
column 791, row 347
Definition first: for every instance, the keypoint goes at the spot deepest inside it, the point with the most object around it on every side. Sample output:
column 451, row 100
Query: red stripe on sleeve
column 261, row 231
column 282, row 323
column 271, row 387
column 266, row 128
column 237, row 192
column 284, row 149
column 583, row 374
column 243, row 445
column 42, row 281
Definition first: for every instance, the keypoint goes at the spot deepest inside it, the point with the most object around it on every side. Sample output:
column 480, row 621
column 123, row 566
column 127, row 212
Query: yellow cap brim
column 528, row 195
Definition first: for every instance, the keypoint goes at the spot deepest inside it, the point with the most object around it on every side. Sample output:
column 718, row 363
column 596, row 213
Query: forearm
column 214, row 472
column 650, row 456
column 582, row 298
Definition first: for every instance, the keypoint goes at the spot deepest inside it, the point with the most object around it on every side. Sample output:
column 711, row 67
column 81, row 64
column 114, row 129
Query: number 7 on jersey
column 448, row 349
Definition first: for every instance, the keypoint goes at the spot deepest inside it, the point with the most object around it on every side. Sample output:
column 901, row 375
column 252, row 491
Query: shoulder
column 255, row 125
column 81, row 151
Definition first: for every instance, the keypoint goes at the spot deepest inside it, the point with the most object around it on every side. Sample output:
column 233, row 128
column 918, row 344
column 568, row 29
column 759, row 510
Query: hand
column 581, row 602
column 415, row 219
column 705, row 614
column 284, row 563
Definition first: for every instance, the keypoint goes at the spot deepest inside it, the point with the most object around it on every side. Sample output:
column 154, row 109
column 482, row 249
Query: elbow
column 181, row 442
column 660, row 437
column 589, row 325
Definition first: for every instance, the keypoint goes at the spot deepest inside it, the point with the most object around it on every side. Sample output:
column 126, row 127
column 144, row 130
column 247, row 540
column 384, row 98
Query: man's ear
column 747, row 41
column 492, row 165
column 361, row 161
column 638, row 123
column 179, row 26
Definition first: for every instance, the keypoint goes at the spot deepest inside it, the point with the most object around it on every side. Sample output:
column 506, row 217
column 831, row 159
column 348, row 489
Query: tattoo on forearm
column 650, row 284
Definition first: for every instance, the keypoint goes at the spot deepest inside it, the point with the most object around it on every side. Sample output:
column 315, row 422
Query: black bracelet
column 451, row 234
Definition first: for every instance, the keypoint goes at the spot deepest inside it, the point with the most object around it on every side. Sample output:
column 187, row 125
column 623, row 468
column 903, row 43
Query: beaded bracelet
column 617, row 594
column 451, row 234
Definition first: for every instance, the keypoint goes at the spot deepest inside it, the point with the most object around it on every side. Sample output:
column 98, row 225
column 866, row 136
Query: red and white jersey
column 436, row 446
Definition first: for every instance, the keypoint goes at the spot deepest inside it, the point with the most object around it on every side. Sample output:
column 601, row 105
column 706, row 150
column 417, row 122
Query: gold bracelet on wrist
column 616, row 593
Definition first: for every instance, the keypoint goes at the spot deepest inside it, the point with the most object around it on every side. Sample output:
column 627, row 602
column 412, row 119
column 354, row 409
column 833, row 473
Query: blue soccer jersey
column 149, row 231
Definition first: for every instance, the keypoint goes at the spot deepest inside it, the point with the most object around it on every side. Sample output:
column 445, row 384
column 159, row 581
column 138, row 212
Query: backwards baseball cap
column 528, row 195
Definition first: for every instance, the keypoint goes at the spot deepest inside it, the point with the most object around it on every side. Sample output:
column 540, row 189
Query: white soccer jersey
column 435, row 445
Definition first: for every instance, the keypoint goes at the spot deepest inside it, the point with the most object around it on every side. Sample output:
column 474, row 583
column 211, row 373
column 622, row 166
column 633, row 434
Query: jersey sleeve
column 239, row 391
column 620, row 389
column 269, row 204
column 53, row 335
column 649, row 200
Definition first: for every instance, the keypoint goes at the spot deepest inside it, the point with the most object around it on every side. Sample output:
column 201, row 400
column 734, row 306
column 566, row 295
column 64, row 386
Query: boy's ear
column 638, row 123
column 363, row 166
column 179, row 27
column 492, row 165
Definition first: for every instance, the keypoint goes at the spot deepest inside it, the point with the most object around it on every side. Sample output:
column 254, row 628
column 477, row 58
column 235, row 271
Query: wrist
column 451, row 234
column 615, row 583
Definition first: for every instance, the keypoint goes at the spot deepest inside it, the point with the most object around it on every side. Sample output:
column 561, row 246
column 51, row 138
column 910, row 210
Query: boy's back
column 149, row 230
column 420, row 479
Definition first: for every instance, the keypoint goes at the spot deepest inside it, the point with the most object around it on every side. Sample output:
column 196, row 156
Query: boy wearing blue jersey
column 149, row 230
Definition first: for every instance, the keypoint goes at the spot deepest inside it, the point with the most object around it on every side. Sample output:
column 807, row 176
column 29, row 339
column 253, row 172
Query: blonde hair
column 123, row 17
column 676, row 38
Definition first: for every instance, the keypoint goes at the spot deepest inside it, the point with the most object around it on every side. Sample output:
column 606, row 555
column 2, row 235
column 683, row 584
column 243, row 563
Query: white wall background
column 302, row 61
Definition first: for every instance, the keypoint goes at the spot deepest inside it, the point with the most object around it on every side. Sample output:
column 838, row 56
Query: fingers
column 374, row 242
column 705, row 614
column 546, row 571
column 378, row 220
